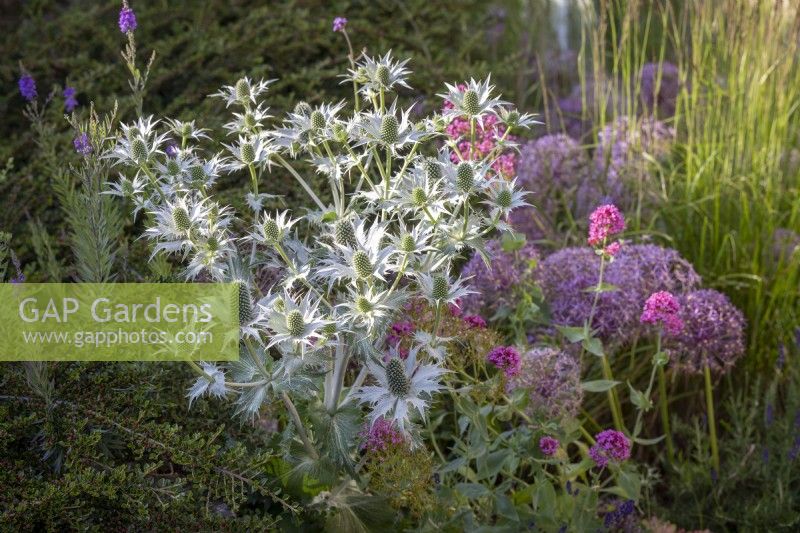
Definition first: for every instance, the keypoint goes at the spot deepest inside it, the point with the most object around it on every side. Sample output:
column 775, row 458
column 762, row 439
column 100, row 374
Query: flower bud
column 345, row 233
column 302, row 108
column 271, row 230
column 317, row 119
column 242, row 90
column 418, row 196
column 382, row 75
column 407, row 243
column 441, row 288
column 433, row 170
column 139, row 151
column 504, row 198
column 181, row 219
column 362, row 264
column 248, row 152
column 465, row 176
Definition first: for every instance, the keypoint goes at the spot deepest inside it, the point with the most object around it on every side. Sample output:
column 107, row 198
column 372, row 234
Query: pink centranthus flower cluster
column 548, row 446
column 488, row 131
column 506, row 358
column 380, row 436
column 663, row 308
column 604, row 222
column 475, row 321
column 611, row 445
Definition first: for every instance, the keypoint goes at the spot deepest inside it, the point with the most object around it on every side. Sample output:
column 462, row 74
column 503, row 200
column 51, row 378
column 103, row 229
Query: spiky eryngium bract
column 404, row 209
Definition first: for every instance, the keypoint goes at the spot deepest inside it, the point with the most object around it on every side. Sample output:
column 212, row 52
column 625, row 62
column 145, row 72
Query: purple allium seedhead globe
column 553, row 167
column 339, row 24
column 611, row 446
column 553, row 381
column 506, row 358
column 70, row 102
column 27, row 87
column 494, row 285
column 660, row 86
column 604, row 222
column 713, row 333
column 127, row 19
column 638, row 271
column 662, row 308
column 548, row 446
column 82, row 144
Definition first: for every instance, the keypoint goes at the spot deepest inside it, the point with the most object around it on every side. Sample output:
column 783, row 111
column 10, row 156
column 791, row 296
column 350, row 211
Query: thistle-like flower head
column 244, row 92
column 382, row 73
column 471, row 100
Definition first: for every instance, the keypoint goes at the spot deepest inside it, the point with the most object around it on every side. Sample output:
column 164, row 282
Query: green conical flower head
column 363, row 305
column 361, row 264
column 198, row 173
column 465, row 176
column 317, row 119
column 242, row 90
column 271, row 230
column 419, row 197
column 186, row 130
column 345, row 233
column 302, row 108
column 295, row 323
column 382, row 74
column 504, row 198
column 279, row 305
column 407, row 243
column 471, row 103
column 433, row 170
column 390, row 129
column 249, row 121
column 396, row 378
column 244, row 303
column 181, row 219
column 212, row 243
column 248, row 153
column 139, row 150
column 440, row 289
column 127, row 187
column 173, row 168
column 329, row 329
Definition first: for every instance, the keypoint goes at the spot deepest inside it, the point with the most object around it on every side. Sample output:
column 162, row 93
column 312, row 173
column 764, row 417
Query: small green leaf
column 573, row 334
column 472, row 490
column 639, row 399
column 594, row 346
column 661, row 359
column 603, row 287
column 512, row 242
column 600, row 385
column 649, row 442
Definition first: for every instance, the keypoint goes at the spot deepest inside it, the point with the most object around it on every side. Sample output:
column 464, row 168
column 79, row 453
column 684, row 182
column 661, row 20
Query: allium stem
column 612, row 399
column 712, row 425
column 662, row 401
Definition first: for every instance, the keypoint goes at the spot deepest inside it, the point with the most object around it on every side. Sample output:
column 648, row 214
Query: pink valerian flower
column 488, row 132
column 663, row 308
column 604, row 222
column 380, row 436
column 612, row 249
column 506, row 358
column 339, row 24
column 611, row 445
column 475, row 321
column 398, row 331
column 549, row 446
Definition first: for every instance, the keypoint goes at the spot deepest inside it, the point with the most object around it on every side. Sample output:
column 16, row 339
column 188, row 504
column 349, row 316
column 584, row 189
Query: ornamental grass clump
column 394, row 206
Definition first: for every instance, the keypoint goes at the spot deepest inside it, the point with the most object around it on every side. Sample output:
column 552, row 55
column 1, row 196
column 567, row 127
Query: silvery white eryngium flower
column 306, row 127
column 172, row 169
column 205, row 173
column 503, row 197
column 138, row 144
column 365, row 309
column 174, row 221
column 133, row 190
column 214, row 384
column 273, row 229
column 514, row 119
column 471, row 101
column 244, row 92
column 248, row 122
column 466, row 178
column 363, row 258
column 386, row 130
column 298, row 324
column 422, row 191
column 402, row 386
column 439, row 290
column 412, row 243
column 210, row 253
column 249, row 150
column 186, row 129
column 375, row 74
